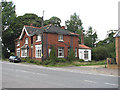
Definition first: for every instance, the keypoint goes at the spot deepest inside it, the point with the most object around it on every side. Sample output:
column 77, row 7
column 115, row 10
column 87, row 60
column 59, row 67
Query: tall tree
column 8, row 18
column 53, row 20
column 74, row 23
column 90, row 37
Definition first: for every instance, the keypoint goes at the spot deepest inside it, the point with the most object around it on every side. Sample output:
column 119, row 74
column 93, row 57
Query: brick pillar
column 118, row 50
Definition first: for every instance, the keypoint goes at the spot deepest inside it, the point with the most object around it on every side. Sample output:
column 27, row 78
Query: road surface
column 17, row 75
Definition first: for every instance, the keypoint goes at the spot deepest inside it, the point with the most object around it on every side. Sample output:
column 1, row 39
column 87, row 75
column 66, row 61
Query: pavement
column 17, row 75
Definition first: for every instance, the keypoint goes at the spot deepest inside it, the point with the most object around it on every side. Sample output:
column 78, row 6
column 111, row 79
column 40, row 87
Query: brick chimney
column 63, row 27
column 82, row 37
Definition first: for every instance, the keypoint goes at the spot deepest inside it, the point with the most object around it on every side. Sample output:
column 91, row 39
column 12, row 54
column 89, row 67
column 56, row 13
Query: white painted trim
column 41, row 50
column 23, row 32
column 116, row 33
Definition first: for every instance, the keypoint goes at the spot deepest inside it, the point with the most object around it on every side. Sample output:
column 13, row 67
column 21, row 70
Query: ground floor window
column 75, row 52
column 61, row 52
column 18, row 52
column 68, row 51
column 38, row 49
column 24, row 52
column 85, row 54
column 49, row 50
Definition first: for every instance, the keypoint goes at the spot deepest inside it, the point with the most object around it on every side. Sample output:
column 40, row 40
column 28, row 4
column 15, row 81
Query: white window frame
column 25, row 51
column 86, row 54
column 38, row 51
column 26, row 40
column 18, row 51
column 38, row 38
column 62, row 51
column 49, row 50
column 60, row 37
column 75, row 52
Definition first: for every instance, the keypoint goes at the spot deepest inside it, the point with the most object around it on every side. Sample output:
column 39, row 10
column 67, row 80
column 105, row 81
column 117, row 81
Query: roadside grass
column 77, row 63
column 61, row 64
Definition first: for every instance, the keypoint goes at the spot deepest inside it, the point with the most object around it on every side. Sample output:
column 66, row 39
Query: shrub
column 81, row 60
column 61, row 60
column 53, row 55
column 71, row 55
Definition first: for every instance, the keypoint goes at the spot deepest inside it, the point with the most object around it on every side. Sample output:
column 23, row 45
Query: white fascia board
column 23, row 32
column 116, row 33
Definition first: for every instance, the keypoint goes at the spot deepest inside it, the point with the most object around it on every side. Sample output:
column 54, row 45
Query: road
column 17, row 75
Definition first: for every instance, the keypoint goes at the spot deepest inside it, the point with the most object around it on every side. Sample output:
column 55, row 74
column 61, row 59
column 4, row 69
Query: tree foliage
column 104, row 49
column 54, row 21
column 90, row 38
column 74, row 23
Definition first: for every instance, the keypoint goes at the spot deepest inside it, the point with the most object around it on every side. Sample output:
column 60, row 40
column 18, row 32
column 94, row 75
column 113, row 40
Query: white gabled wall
column 81, row 54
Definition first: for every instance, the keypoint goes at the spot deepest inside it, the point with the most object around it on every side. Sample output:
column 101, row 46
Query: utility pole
column 42, row 37
column 43, row 18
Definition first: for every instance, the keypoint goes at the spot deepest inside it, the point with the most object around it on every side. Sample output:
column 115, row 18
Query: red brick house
column 35, row 42
column 117, row 39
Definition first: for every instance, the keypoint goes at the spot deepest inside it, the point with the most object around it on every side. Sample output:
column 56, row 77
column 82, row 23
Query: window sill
column 38, row 40
column 60, row 56
column 60, row 40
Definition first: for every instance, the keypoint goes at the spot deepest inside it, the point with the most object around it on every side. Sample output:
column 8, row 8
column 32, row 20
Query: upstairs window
column 26, row 40
column 60, row 38
column 38, row 38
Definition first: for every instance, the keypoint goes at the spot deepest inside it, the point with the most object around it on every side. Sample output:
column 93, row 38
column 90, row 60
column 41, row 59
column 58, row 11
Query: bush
column 81, row 60
column 53, row 55
column 71, row 55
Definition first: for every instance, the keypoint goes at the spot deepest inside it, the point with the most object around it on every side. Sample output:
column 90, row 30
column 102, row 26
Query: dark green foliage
column 53, row 55
column 90, row 38
column 81, row 60
column 29, row 60
column 53, row 20
column 105, row 49
column 74, row 23
column 71, row 55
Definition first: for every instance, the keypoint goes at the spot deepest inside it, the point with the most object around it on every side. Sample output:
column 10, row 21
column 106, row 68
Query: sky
column 102, row 15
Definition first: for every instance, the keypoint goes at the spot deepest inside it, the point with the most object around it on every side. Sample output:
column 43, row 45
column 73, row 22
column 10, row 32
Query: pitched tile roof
column 81, row 46
column 49, row 29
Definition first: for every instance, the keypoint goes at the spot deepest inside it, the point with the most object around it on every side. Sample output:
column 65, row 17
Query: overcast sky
column 102, row 15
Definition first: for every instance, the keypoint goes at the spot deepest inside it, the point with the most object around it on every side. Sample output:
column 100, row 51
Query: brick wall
column 118, row 50
column 53, row 40
column 48, row 40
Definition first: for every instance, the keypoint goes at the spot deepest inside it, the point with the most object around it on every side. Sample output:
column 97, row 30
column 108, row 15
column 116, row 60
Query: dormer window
column 26, row 40
column 60, row 38
column 38, row 38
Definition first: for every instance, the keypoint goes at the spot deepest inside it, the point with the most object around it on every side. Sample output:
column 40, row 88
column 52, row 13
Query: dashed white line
column 89, row 81
column 111, row 84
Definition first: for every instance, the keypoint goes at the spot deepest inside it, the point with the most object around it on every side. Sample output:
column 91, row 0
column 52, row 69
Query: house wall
column 81, row 54
column 118, row 50
column 53, row 40
column 48, row 40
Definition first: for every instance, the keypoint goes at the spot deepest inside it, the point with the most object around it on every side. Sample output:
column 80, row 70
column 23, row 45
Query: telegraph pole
column 43, row 18
column 42, row 36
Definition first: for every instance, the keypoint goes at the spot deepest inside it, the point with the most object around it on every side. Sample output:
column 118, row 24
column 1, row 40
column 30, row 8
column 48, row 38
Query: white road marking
column 111, row 84
column 89, row 81
column 59, row 69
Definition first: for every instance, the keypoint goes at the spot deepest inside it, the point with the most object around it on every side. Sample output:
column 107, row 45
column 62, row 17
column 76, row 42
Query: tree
column 90, row 37
column 74, row 23
column 53, row 20
column 105, row 48
column 8, row 18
